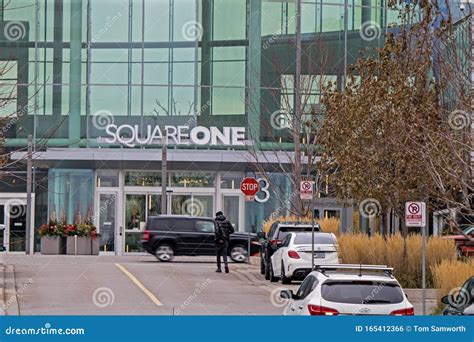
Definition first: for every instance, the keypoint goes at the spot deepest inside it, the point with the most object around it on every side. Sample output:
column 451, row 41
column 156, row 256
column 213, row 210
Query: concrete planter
column 95, row 247
column 81, row 246
column 52, row 245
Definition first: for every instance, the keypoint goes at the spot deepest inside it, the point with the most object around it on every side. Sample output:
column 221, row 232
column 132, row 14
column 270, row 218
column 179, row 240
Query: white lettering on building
column 131, row 136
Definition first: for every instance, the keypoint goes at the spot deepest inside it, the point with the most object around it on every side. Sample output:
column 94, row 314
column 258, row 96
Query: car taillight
column 316, row 310
column 293, row 254
column 146, row 235
column 403, row 312
column 275, row 242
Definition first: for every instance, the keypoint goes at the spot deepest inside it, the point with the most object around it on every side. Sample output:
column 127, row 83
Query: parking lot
column 139, row 285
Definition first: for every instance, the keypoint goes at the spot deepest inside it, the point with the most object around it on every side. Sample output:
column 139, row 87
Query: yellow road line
column 140, row 285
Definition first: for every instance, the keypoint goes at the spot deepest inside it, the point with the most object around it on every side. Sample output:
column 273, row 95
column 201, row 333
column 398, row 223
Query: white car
column 292, row 259
column 348, row 290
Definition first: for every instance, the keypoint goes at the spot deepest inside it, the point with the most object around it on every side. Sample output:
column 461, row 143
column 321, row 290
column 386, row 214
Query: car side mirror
column 446, row 300
column 261, row 235
column 287, row 294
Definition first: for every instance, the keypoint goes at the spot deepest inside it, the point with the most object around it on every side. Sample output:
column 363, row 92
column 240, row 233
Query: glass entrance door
column 16, row 215
column 232, row 210
column 107, row 223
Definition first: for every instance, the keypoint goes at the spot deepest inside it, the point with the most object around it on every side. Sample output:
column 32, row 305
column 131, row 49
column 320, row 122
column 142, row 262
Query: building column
column 75, row 73
column 254, row 69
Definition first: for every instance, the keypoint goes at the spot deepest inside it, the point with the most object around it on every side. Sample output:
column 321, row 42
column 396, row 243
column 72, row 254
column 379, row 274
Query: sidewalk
column 8, row 298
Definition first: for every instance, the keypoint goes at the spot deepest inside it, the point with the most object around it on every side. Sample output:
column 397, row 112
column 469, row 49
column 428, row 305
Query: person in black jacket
column 223, row 230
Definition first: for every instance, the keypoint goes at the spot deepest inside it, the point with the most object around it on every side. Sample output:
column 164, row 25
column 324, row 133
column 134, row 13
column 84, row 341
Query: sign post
column 415, row 216
column 249, row 187
column 307, row 193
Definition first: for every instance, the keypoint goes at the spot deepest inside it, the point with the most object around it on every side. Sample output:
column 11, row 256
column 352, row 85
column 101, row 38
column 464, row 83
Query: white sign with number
column 306, row 190
column 415, row 214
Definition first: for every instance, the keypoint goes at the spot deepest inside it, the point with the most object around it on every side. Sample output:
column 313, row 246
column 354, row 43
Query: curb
column 10, row 304
column 2, row 290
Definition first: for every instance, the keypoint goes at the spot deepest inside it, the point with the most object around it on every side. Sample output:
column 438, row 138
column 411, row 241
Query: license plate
column 319, row 255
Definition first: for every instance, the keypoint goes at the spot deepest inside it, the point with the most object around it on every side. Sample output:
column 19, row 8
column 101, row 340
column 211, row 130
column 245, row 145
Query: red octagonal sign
column 249, row 186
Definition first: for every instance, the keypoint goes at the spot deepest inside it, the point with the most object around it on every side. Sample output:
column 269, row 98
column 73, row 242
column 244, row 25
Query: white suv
column 292, row 259
column 348, row 290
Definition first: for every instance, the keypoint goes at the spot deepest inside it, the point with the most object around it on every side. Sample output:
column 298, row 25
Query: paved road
column 133, row 285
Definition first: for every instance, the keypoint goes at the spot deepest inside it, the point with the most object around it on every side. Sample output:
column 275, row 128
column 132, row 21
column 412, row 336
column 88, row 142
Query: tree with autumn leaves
column 400, row 128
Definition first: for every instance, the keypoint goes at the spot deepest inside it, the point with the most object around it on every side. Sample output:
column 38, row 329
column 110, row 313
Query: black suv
column 169, row 235
column 275, row 236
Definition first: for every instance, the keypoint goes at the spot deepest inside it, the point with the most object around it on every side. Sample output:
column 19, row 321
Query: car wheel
column 267, row 271
column 164, row 252
column 272, row 275
column 284, row 278
column 238, row 254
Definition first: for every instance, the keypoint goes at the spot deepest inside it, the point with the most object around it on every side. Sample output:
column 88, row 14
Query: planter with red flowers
column 78, row 239
column 52, row 238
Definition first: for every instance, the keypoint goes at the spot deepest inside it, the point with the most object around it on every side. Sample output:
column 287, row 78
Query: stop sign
column 249, row 186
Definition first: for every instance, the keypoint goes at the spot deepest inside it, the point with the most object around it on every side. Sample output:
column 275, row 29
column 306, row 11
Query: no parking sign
column 415, row 214
column 306, row 190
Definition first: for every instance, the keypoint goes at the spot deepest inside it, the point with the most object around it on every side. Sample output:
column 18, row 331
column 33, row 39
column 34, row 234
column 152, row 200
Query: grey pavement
column 138, row 285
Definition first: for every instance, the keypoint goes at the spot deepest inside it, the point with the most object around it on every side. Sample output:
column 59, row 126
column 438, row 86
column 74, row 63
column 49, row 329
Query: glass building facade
column 73, row 67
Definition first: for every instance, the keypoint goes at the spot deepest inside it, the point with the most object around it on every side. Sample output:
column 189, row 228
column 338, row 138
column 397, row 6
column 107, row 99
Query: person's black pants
column 222, row 250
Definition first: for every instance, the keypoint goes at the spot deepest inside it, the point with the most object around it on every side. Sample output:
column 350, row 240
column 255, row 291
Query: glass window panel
column 137, row 178
column 193, row 205
column 230, row 180
column 271, row 18
column 229, row 19
column 183, row 101
column 109, row 20
column 332, row 18
column 192, row 179
column 135, row 211
column 185, row 27
column 109, row 73
column 111, row 98
column 228, row 101
column 154, row 205
column 155, row 101
column 156, row 73
column 157, row 21
column 107, row 178
column 229, row 74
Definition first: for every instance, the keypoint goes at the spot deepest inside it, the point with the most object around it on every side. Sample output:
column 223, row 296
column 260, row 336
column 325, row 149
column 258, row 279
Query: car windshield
column 319, row 238
column 362, row 292
column 285, row 230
